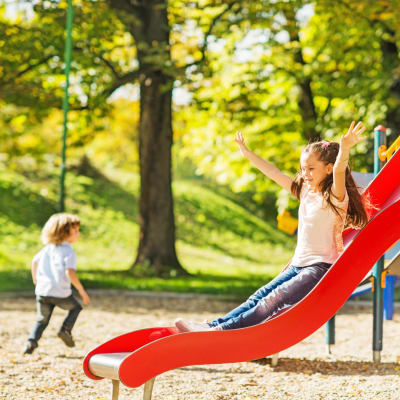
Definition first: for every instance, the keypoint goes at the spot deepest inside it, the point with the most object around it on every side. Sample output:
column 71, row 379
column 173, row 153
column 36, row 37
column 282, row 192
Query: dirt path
column 304, row 371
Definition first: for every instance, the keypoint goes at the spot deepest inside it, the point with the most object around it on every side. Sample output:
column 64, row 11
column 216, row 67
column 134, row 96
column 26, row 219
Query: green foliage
column 247, row 66
column 32, row 73
column 225, row 248
column 240, row 60
column 256, row 73
column 38, row 64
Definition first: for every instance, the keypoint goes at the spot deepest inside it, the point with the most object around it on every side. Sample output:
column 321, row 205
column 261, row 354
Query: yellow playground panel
column 287, row 223
column 385, row 154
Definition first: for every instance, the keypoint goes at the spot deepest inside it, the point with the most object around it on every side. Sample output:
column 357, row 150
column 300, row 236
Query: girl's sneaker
column 192, row 326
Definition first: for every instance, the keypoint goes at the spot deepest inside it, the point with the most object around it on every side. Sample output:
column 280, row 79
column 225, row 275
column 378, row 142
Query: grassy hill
column 225, row 247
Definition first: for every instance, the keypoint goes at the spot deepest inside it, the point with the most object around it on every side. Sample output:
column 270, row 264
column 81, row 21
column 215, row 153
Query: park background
column 176, row 80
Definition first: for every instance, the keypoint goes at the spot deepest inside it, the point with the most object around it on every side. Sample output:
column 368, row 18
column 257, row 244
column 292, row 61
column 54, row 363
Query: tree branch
column 121, row 81
column 209, row 32
column 33, row 66
column 327, row 109
column 27, row 69
column 102, row 58
column 109, row 65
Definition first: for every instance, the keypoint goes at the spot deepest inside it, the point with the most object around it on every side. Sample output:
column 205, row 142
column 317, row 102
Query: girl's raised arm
column 268, row 169
column 347, row 141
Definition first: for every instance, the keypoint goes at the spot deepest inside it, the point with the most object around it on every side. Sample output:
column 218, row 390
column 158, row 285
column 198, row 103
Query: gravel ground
column 304, row 371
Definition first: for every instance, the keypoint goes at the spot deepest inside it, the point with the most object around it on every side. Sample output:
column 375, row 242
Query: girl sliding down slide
column 329, row 202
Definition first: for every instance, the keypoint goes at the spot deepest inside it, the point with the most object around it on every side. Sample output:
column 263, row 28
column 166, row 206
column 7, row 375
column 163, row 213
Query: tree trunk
column 306, row 100
column 307, row 109
column 390, row 62
column 156, row 217
column 147, row 21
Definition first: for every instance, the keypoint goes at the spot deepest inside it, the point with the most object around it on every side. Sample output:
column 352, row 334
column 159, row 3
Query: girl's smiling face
column 313, row 170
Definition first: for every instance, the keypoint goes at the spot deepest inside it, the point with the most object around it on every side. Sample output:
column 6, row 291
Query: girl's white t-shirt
column 319, row 234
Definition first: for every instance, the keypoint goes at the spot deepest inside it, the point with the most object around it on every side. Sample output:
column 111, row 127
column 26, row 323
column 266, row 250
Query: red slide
column 147, row 353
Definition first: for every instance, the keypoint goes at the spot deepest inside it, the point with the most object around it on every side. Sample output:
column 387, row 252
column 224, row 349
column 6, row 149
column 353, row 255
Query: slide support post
column 380, row 139
column 330, row 334
column 115, row 389
column 148, row 389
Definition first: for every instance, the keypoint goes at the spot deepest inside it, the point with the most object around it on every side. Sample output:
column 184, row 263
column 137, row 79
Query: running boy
column 53, row 271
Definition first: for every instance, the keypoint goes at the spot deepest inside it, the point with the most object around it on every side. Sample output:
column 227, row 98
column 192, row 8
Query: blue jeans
column 45, row 306
column 288, row 288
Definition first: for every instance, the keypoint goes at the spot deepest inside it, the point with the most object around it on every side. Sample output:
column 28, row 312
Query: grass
column 226, row 248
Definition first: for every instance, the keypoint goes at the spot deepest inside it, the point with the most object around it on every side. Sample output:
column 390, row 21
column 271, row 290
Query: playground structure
column 136, row 358
column 287, row 223
column 381, row 280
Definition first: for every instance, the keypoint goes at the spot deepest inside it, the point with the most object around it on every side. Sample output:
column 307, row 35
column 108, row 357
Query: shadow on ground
column 339, row 368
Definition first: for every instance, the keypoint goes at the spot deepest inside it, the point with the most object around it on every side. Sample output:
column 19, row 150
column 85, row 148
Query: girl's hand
column 240, row 141
column 353, row 135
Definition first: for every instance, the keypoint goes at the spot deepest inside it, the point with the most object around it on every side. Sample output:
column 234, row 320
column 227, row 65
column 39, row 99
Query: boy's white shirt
column 319, row 237
column 51, row 277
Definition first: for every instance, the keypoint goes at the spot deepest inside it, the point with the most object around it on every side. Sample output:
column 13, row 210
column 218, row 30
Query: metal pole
column 330, row 334
column 67, row 61
column 148, row 389
column 380, row 139
column 115, row 390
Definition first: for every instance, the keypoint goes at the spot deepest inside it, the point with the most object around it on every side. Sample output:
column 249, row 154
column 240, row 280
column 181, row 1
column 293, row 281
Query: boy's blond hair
column 58, row 228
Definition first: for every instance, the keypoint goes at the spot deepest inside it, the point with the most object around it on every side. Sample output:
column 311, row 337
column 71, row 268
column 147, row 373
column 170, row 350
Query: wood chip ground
column 304, row 372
